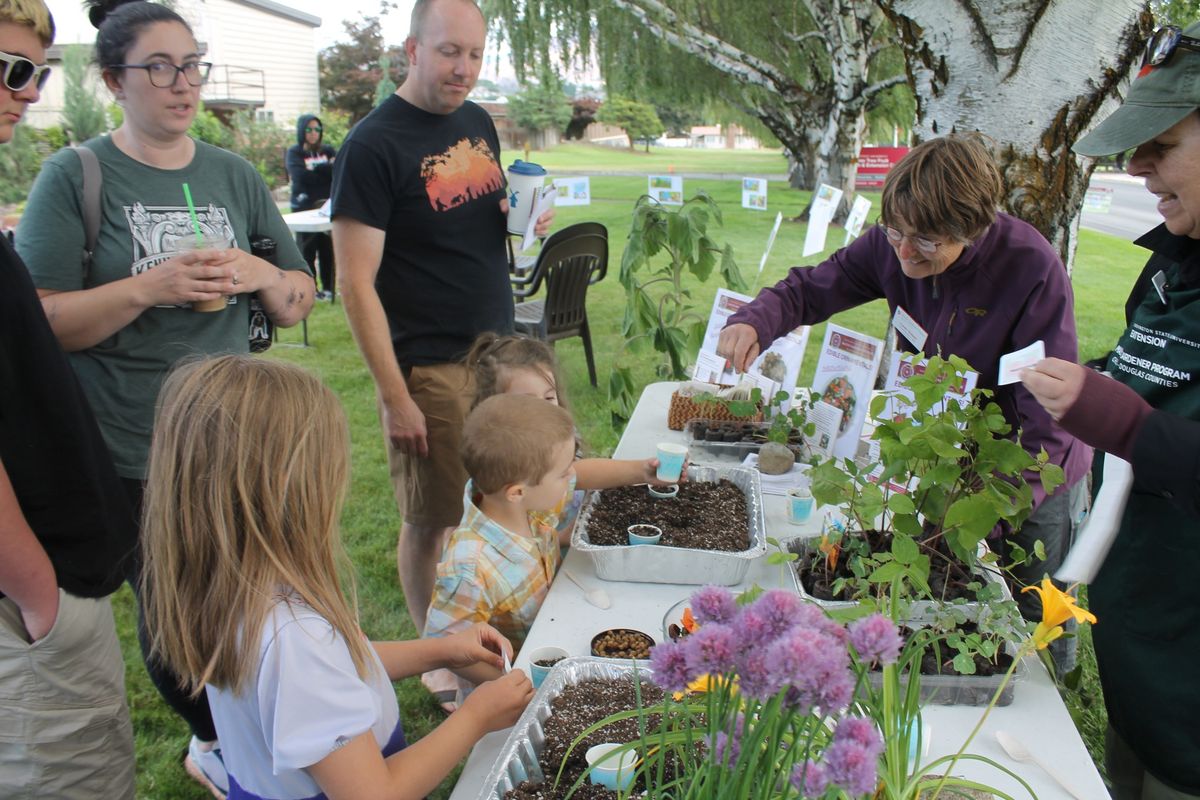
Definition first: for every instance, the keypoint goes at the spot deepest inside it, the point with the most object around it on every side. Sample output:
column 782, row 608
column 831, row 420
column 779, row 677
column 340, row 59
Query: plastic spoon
column 597, row 597
column 1017, row 751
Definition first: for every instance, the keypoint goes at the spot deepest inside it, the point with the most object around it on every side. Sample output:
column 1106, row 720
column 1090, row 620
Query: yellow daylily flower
column 704, row 683
column 1057, row 607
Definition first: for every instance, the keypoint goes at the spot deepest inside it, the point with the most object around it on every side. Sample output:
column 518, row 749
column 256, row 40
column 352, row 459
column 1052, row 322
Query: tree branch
column 883, row 85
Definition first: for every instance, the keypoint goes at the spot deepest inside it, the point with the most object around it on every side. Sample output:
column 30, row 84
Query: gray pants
column 65, row 731
column 1129, row 779
column 1053, row 523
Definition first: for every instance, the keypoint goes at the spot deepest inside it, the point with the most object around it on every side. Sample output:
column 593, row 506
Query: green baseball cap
column 1158, row 98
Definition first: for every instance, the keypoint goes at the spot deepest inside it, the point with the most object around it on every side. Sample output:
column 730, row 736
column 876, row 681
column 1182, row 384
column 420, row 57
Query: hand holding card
column 1011, row 364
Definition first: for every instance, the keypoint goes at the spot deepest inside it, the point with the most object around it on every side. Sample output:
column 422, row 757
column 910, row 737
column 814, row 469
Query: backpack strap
column 92, row 179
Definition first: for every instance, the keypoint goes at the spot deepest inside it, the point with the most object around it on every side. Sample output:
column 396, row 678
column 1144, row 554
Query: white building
column 264, row 57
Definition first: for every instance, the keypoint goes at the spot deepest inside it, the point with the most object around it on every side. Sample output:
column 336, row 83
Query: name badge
column 908, row 327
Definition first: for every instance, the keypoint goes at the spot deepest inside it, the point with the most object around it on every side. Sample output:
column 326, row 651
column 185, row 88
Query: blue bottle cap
column 526, row 168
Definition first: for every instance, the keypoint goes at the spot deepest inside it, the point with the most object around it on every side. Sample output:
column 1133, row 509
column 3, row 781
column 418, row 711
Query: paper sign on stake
column 754, row 194
column 858, row 216
column 770, row 241
column 824, row 205
column 573, row 191
column 666, row 189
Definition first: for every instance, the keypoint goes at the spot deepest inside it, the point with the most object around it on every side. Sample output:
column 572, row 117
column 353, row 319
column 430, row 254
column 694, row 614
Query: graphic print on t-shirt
column 157, row 229
column 464, row 171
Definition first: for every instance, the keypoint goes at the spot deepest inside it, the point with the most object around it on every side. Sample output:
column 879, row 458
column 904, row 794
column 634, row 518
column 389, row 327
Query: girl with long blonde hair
column 242, row 590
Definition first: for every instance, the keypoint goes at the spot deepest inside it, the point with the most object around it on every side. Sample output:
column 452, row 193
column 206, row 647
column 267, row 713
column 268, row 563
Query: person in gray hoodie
column 310, row 168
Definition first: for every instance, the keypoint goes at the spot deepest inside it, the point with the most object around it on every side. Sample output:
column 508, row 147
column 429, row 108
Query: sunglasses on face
column 895, row 236
column 19, row 72
column 163, row 74
column 1163, row 44
column 317, row 129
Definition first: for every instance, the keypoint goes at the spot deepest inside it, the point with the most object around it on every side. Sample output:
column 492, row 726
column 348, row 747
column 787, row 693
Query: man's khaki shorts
column 429, row 490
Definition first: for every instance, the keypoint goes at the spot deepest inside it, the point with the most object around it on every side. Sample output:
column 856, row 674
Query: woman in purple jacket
column 961, row 279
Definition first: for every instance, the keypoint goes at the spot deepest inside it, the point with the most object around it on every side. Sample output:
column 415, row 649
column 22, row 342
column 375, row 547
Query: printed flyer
column 754, row 194
column 900, row 400
column 573, row 191
column 776, row 368
column 666, row 189
column 844, row 378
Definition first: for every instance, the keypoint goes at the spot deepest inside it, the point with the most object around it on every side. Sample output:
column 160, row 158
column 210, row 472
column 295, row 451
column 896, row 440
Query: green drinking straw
column 187, row 195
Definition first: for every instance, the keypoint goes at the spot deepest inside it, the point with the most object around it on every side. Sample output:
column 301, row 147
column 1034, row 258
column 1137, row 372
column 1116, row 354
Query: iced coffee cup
column 525, row 180
column 209, row 241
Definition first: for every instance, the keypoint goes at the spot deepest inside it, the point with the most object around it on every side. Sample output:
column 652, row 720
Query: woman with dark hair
column 1148, row 413
column 127, row 315
column 310, row 167
column 973, row 282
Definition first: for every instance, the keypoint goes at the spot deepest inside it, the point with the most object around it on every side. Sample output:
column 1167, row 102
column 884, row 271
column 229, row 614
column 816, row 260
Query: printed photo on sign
column 666, row 189
column 844, row 378
column 900, row 401
column 573, row 191
column 754, row 194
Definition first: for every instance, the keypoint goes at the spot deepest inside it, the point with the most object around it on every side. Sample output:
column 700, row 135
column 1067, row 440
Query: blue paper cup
column 644, row 534
column 799, row 505
column 611, row 770
column 670, row 462
column 537, row 672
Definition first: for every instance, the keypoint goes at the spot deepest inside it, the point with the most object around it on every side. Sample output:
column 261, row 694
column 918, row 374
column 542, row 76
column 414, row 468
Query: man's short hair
column 420, row 12
column 31, row 13
column 511, row 438
column 949, row 186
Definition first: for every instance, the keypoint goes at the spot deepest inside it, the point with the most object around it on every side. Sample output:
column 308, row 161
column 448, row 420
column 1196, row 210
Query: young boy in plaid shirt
column 498, row 565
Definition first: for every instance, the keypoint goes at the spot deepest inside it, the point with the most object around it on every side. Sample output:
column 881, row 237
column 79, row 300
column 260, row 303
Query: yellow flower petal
column 1058, row 606
column 1044, row 634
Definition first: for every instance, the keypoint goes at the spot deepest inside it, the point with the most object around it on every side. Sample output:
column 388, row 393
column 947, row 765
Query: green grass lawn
column 578, row 156
column 1105, row 269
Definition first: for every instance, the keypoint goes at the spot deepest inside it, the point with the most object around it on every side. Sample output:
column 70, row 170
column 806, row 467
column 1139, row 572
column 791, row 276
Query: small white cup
column 799, row 504
column 670, row 461
column 611, row 771
column 644, row 534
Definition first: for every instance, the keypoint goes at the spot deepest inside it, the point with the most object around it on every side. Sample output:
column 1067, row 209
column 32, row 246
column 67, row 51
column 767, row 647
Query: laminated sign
column 844, row 379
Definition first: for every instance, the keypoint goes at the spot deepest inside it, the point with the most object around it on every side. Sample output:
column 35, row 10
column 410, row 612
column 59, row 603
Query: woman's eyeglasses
column 19, row 72
column 163, row 73
column 1163, row 44
column 926, row 246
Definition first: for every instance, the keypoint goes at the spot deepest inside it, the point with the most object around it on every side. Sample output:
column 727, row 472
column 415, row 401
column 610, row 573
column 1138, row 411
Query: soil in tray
column 948, row 578
column 576, row 708
column 704, row 515
column 750, row 432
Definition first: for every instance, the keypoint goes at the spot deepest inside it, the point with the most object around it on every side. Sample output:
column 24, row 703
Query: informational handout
column 545, row 202
column 666, row 189
column 1096, row 535
column 778, row 367
column 1012, row 363
column 844, row 378
column 754, row 194
column 824, row 205
column 858, row 216
column 573, row 191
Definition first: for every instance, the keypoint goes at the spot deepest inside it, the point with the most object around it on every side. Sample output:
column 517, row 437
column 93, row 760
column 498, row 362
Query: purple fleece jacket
column 1006, row 291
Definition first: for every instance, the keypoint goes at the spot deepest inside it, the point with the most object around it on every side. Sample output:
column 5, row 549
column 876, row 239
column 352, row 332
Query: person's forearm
column 413, row 657
column 607, row 473
column 26, row 574
column 84, row 318
column 368, row 324
column 288, row 295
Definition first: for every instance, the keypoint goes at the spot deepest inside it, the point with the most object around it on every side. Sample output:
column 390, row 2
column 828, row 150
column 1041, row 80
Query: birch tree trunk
column 1034, row 75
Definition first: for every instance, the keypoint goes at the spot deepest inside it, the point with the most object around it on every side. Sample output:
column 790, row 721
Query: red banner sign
column 874, row 163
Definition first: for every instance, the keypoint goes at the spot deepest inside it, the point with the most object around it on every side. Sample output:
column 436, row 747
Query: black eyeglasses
column 163, row 74
column 925, row 245
column 1164, row 42
column 19, row 72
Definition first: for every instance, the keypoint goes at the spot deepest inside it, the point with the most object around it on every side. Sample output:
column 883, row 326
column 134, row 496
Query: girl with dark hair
column 126, row 314
column 310, row 167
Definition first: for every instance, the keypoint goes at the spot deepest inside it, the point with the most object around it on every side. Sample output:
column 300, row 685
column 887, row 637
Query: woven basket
column 684, row 409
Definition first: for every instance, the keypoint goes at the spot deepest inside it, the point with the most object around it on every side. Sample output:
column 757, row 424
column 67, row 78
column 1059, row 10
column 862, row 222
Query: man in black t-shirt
column 419, row 237
column 65, row 526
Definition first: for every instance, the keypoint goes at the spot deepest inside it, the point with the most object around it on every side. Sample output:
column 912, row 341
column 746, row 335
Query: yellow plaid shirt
column 490, row 574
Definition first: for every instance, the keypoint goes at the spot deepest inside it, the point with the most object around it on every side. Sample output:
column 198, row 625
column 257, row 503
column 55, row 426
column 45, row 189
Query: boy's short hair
column 31, row 13
column 511, row 438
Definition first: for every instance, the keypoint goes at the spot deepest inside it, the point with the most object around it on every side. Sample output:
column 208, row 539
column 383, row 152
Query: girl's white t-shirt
column 305, row 702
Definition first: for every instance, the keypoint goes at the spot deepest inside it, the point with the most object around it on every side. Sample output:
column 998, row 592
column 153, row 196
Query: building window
column 264, row 116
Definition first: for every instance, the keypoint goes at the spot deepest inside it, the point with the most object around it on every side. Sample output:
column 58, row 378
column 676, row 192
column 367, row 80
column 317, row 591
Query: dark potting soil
column 575, row 709
column 948, row 578
column 704, row 516
column 939, row 659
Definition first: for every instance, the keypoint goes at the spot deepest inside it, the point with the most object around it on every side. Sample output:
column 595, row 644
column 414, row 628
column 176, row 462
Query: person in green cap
column 1148, row 412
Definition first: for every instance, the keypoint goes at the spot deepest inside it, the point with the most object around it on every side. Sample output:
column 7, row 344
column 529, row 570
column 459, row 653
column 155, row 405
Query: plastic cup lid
column 520, row 167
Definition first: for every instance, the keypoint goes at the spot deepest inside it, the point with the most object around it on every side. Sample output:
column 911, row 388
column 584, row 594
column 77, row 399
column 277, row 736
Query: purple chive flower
column 853, row 757
column 754, row 679
column 712, row 649
column 669, row 661
column 810, row 778
column 770, row 616
column 814, row 666
column 725, row 749
column 714, row 604
column 875, row 638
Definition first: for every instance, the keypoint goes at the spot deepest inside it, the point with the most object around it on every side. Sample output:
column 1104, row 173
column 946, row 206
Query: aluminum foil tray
column 680, row 565
column 518, row 758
